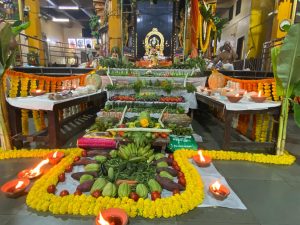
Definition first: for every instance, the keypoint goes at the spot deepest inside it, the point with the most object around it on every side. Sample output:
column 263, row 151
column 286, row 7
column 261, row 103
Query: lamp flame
column 19, row 184
column 216, row 186
column 38, row 91
column 54, row 155
column 102, row 221
column 259, row 93
column 245, row 92
column 202, row 159
column 37, row 169
column 237, row 95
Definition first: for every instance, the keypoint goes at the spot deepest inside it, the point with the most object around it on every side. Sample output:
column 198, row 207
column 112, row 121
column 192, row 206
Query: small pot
column 9, row 190
column 97, row 47
column 206, row 163
column 220, row 194
column 233, row 98
column 119, row 215
column 54, row 161
column 258, row 99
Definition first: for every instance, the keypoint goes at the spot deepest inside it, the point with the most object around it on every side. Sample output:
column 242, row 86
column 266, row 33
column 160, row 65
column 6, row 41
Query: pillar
column 34, row 30
column 285, row 11
column 114, row 25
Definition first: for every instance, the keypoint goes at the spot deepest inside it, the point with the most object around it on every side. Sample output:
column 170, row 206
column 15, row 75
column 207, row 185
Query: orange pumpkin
column 216, row 80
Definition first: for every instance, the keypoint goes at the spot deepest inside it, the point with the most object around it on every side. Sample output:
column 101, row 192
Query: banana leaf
column 288, row 69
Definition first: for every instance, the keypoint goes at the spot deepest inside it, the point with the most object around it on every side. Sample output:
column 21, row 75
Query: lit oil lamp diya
column 219, row 191
column 258, row 98
column 234, row 98
column 33, row 173
column 37, row 92
column 112, row 216
column 15, row 188
column 201, row 160
column 55, row 157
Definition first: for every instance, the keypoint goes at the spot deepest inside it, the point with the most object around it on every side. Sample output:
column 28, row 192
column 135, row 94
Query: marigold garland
column 39, row 199
column 285, row 159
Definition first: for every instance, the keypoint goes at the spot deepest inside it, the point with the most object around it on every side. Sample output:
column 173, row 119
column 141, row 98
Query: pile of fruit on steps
column 133, row 171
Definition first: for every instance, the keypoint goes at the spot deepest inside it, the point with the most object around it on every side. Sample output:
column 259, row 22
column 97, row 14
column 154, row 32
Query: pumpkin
column 216, row 80
column 95, row 80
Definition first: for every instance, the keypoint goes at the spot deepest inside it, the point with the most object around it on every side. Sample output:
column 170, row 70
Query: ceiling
column 49, row 9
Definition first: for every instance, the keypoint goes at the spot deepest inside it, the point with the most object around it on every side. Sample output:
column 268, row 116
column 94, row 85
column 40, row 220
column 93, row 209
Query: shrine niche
column 154, row 43
column 153, row 33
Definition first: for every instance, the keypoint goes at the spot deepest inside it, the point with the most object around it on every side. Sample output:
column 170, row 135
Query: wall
column 72, row 32
column 238, row 26
column 60, row 32
column 54, row 31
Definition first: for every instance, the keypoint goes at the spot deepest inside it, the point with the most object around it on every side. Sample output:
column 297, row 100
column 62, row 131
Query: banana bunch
column 132, row 152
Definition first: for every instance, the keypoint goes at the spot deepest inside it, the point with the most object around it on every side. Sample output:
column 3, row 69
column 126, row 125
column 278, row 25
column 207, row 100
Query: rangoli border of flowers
column 39, row 199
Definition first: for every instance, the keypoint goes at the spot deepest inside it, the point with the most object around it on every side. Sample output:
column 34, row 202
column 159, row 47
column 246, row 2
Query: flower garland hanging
column 35, row 113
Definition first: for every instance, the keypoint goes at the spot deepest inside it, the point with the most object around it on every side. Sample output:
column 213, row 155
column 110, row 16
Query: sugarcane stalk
column 4, row 125
column 286, row 116
column 282, row 128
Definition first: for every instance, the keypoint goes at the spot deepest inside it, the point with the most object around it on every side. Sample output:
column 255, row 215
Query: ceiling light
column 62, row 20
column 68, row 7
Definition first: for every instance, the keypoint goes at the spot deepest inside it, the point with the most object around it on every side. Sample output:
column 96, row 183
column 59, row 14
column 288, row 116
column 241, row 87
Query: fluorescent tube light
column 62, row 20
column 68, row 7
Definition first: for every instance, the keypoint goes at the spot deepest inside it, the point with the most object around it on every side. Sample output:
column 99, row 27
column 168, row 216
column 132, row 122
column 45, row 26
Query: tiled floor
column 271, row 193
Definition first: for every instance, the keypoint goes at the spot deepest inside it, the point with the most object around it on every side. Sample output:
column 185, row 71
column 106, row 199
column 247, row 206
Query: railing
column 33, row 51
column 252, row 64
column 266, row 64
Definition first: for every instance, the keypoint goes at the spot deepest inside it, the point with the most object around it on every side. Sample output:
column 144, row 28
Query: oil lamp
column 219, row 191
column 201, row 160
column 234, row 98
column 55, row 157
column 15, row 188
column 258, row 98
column 37, row 92
column 112, row 216
column 35, row 172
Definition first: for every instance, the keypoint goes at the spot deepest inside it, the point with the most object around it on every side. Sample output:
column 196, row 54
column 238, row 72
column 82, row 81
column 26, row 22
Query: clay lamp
column 234, row 98
column 33, row 173
column 55, row 157
column 242, row 92
column 37, row 92
column 201, row 160
column 219, row 191
column 112, row 216
column 15, row 188
column 258, row 98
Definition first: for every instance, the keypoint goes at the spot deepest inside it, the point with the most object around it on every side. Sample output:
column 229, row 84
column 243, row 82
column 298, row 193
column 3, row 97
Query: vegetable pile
column 133, row 171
